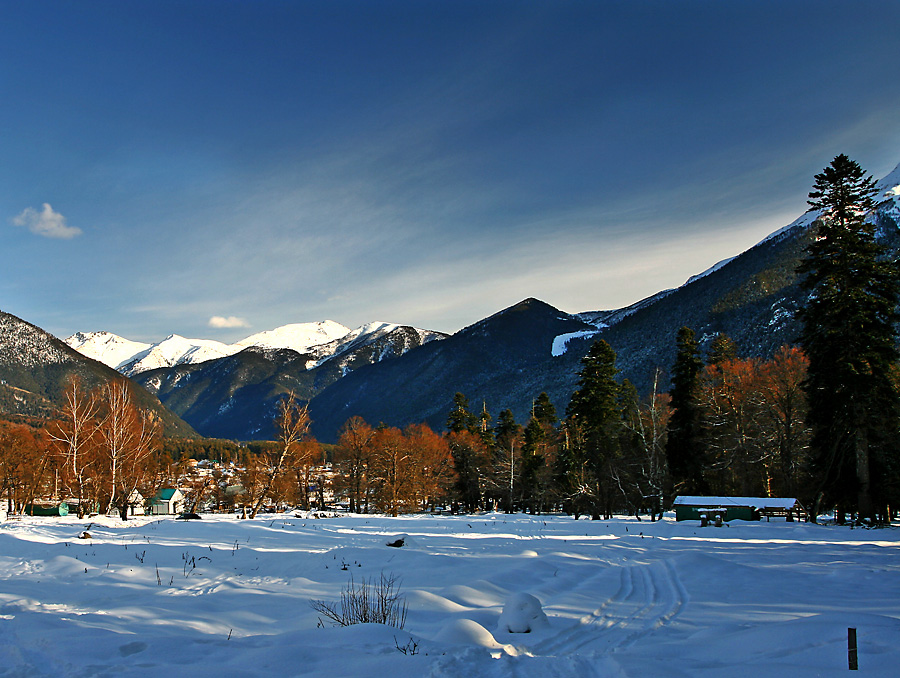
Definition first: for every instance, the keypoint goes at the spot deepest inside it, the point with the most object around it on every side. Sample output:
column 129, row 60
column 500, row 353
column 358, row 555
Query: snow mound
column 522, row 613
column 401, row 541
column 467, row 632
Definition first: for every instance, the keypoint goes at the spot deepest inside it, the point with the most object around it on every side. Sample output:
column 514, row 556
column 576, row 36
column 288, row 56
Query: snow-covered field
column 226, row 597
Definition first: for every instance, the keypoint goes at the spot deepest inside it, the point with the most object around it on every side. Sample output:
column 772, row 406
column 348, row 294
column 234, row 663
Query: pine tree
column 721, row 349
column 850, row 339
column 534, row 440
column 595, row 418
column 685, row 451
column 544, row 411
column 460, row 418
column 507, row 430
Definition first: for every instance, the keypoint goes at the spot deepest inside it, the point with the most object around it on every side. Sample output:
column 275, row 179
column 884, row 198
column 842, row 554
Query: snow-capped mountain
column 322, row 340
column 107, row 348
column 176, row 350
column 300, row 337
column 369, row 334
column 235, row 396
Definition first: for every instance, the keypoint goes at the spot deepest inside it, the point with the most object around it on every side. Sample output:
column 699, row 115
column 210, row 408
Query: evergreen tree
column 507, row 431
column 595, row 419
column 534, row 440
column 460, row 419
column 850, row 339
column 685, row 451
column 544, row 411
column 485, row 430
column 721, row 349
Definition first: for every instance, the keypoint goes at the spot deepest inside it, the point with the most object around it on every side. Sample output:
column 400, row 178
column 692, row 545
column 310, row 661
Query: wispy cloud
column 46, row 223
column 231, row 321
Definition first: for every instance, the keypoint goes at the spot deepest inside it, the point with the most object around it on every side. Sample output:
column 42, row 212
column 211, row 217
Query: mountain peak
column 297, row 336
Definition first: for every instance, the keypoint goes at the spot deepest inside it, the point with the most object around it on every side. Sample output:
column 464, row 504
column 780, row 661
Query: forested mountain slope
column 753, row 297
column 35, row 368
column 236, row 396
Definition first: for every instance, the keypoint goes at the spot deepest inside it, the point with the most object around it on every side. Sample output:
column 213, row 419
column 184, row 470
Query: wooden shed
column 736, row 508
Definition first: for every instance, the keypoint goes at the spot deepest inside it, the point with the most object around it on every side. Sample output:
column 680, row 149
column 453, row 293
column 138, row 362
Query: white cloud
column 219, row 322
column 46, row 223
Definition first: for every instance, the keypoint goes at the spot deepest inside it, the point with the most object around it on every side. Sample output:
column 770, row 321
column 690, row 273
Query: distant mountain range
column 230, row 391
column 399, row 374
column 321, row 339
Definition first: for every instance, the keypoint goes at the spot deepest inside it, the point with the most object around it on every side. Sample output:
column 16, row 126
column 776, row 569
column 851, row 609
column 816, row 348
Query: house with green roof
column 167, row 501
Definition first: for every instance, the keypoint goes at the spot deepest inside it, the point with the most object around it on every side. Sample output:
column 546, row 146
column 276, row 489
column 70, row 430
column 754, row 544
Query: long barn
column 736, row 508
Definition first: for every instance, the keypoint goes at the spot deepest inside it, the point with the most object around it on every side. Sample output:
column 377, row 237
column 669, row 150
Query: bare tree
column 73, row 437
column 648, row 421
column 128, row 439
column 292, row 423
column 354, row 451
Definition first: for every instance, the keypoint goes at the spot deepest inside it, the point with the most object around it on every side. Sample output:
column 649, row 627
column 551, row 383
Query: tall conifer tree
column 595, row 412
column 850, row 339
column 685, row 450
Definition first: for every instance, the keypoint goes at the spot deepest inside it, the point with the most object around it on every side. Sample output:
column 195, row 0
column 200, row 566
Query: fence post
column 852, row 658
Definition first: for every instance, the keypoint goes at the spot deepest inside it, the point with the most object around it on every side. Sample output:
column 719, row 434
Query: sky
column 215, row 169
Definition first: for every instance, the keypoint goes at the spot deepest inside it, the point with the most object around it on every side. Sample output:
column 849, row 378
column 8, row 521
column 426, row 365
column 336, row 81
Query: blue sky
column 215, row 169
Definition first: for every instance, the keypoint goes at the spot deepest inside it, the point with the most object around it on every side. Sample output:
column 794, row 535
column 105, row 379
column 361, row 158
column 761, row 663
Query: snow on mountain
column 298, row 336
column 712, row 269
column 889, row 186
column 176, row 350
column 106, row 347
column 351, row 339
column 25, row 345
column 323, row 340
column 367, row 334
column 561, row 342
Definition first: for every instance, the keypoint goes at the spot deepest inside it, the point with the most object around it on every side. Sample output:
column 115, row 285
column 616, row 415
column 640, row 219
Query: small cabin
column 737, row 508
column 167, row 501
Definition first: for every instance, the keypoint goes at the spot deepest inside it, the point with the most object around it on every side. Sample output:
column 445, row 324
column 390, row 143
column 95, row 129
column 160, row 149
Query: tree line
column 610, row 453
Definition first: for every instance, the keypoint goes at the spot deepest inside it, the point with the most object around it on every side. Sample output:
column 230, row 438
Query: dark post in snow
column 851, row 649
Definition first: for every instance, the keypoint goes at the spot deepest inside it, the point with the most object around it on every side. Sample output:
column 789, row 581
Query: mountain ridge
column 321, row 339
column 35, row 368
column 753, row 297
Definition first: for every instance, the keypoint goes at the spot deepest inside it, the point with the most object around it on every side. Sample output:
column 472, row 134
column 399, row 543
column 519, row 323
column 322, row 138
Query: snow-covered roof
column 755, row 502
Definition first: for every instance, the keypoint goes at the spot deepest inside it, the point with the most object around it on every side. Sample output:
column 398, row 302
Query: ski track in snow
column 649, row 596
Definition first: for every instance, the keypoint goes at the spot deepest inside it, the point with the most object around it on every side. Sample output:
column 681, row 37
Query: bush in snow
column 372, row 601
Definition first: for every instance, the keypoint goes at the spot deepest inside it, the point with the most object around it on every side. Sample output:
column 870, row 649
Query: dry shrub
column 371, row 601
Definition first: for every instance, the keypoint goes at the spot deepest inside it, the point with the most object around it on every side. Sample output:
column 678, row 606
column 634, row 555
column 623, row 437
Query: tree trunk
column 864, row 497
